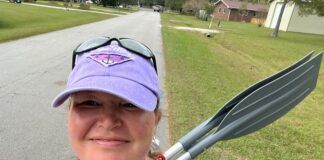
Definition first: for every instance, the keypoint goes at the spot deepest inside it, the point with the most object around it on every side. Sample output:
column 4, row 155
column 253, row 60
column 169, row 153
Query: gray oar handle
column 210, row 140
column 203, row 145
column 194, row 135
column 185, row 156
column 173, row 151
column 186, row 141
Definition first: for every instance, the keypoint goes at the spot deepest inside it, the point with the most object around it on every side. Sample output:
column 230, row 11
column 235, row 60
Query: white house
column 292, row 21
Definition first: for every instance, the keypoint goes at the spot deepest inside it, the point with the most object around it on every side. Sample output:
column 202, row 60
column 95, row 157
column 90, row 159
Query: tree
column 193, row 6
column 311, row 7
column 174, row 4
column 255, row 1
column 158, row 2
column 115, row 3
column 109, row 3
column 276, row 30
column 243, row 10
column 146, row 3
column 306, row 7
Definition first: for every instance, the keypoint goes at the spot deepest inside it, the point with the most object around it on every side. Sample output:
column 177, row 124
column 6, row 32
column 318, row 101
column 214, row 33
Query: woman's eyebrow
column 84, row 95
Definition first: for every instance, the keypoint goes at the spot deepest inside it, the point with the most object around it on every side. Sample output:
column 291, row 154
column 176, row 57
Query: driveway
column 33, row 70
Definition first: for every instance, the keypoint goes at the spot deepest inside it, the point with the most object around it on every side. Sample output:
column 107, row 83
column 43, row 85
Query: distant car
column 157, row 8
column 88, row 2
column 124, row 6
column 15, row 1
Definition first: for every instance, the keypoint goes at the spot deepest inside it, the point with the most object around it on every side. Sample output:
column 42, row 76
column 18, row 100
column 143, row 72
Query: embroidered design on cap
column 106, row 59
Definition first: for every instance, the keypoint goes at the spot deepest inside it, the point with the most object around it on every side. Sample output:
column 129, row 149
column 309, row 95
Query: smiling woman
column 104, row 126
column 114, row 97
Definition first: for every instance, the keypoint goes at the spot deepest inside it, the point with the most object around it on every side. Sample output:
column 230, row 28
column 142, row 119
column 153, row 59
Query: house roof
column 235, row 4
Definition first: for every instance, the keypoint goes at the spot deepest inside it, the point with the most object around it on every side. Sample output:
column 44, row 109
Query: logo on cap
column 106, row 59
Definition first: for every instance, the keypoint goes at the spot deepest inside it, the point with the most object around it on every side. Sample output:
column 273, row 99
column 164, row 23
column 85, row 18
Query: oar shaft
column 185, row 156
column 194, row 135
column 173, row 151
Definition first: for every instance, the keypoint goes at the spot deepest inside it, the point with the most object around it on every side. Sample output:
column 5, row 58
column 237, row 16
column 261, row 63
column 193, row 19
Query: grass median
column 17, row 20
column 204, row 73
column 93, row 7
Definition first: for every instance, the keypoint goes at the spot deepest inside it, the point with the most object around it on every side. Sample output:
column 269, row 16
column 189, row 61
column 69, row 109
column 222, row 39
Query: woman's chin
column 109, row 156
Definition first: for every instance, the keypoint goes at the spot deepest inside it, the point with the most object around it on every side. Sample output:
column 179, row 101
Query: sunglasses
column 127, row 43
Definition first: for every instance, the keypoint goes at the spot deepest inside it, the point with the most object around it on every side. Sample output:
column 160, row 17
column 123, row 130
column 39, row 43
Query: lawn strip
column 19, row 21
column 204, row 73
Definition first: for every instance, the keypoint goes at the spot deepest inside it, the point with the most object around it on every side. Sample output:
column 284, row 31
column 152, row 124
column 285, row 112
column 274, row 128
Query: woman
column 113, row 97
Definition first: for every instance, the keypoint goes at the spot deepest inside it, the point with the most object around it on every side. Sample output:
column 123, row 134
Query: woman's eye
column 129, row 106
column 89, row 103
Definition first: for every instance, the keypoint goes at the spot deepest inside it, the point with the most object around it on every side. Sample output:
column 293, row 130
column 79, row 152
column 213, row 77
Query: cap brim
column 128, row 90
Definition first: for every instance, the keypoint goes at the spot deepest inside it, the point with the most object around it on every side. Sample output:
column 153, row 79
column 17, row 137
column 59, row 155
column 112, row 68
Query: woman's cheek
column 146, row 124
column 78, row 125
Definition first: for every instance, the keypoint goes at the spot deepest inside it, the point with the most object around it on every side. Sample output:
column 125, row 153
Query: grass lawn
column 17, row 21
column 204, row 73
column 118, row 10
column 93, row 7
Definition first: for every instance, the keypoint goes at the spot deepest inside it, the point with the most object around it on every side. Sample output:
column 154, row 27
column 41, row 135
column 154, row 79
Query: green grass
column 93, row 7
column 52, row 3
column 17, row 21
column 204, row 73
column 114, row 10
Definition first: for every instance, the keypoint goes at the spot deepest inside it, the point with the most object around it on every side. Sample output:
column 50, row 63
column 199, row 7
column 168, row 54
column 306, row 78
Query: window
column 224, row 11
column 219, row 10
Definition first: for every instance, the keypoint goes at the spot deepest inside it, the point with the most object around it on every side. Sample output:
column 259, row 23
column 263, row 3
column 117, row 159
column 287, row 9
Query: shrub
column 84, row 6
column 32, row 1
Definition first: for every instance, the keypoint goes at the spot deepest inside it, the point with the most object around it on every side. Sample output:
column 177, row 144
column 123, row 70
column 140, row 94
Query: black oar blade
column 271, row 101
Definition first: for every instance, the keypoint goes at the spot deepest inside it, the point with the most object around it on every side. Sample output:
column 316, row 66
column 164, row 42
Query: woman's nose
column 110, row 118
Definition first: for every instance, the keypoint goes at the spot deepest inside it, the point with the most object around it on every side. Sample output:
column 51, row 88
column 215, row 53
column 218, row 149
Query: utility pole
column 276, row 30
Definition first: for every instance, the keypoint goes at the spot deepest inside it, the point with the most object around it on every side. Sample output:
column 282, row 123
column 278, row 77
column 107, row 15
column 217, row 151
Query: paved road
column 33, row 70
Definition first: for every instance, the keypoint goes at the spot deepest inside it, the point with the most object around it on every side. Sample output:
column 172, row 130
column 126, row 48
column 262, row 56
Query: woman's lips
column 110, row 142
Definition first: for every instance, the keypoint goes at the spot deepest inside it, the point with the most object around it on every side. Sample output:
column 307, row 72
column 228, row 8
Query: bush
column 31, row 1
column 193, row 6
column 84, row 6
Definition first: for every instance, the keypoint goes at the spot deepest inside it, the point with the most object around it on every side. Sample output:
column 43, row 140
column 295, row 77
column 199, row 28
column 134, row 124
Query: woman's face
column 105, row 127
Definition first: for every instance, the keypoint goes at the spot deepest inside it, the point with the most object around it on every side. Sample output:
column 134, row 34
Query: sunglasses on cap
column 127, row 43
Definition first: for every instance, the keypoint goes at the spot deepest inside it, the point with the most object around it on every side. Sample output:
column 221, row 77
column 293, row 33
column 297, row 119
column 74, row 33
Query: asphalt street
column 34, row 69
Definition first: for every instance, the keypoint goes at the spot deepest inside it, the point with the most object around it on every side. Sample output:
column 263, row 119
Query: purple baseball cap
column 114, row 70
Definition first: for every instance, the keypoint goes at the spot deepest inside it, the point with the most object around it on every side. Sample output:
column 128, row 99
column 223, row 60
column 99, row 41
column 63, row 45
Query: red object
column 158, row 156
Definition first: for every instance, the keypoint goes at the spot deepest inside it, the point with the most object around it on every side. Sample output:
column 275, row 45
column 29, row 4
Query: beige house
column 292, row 21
